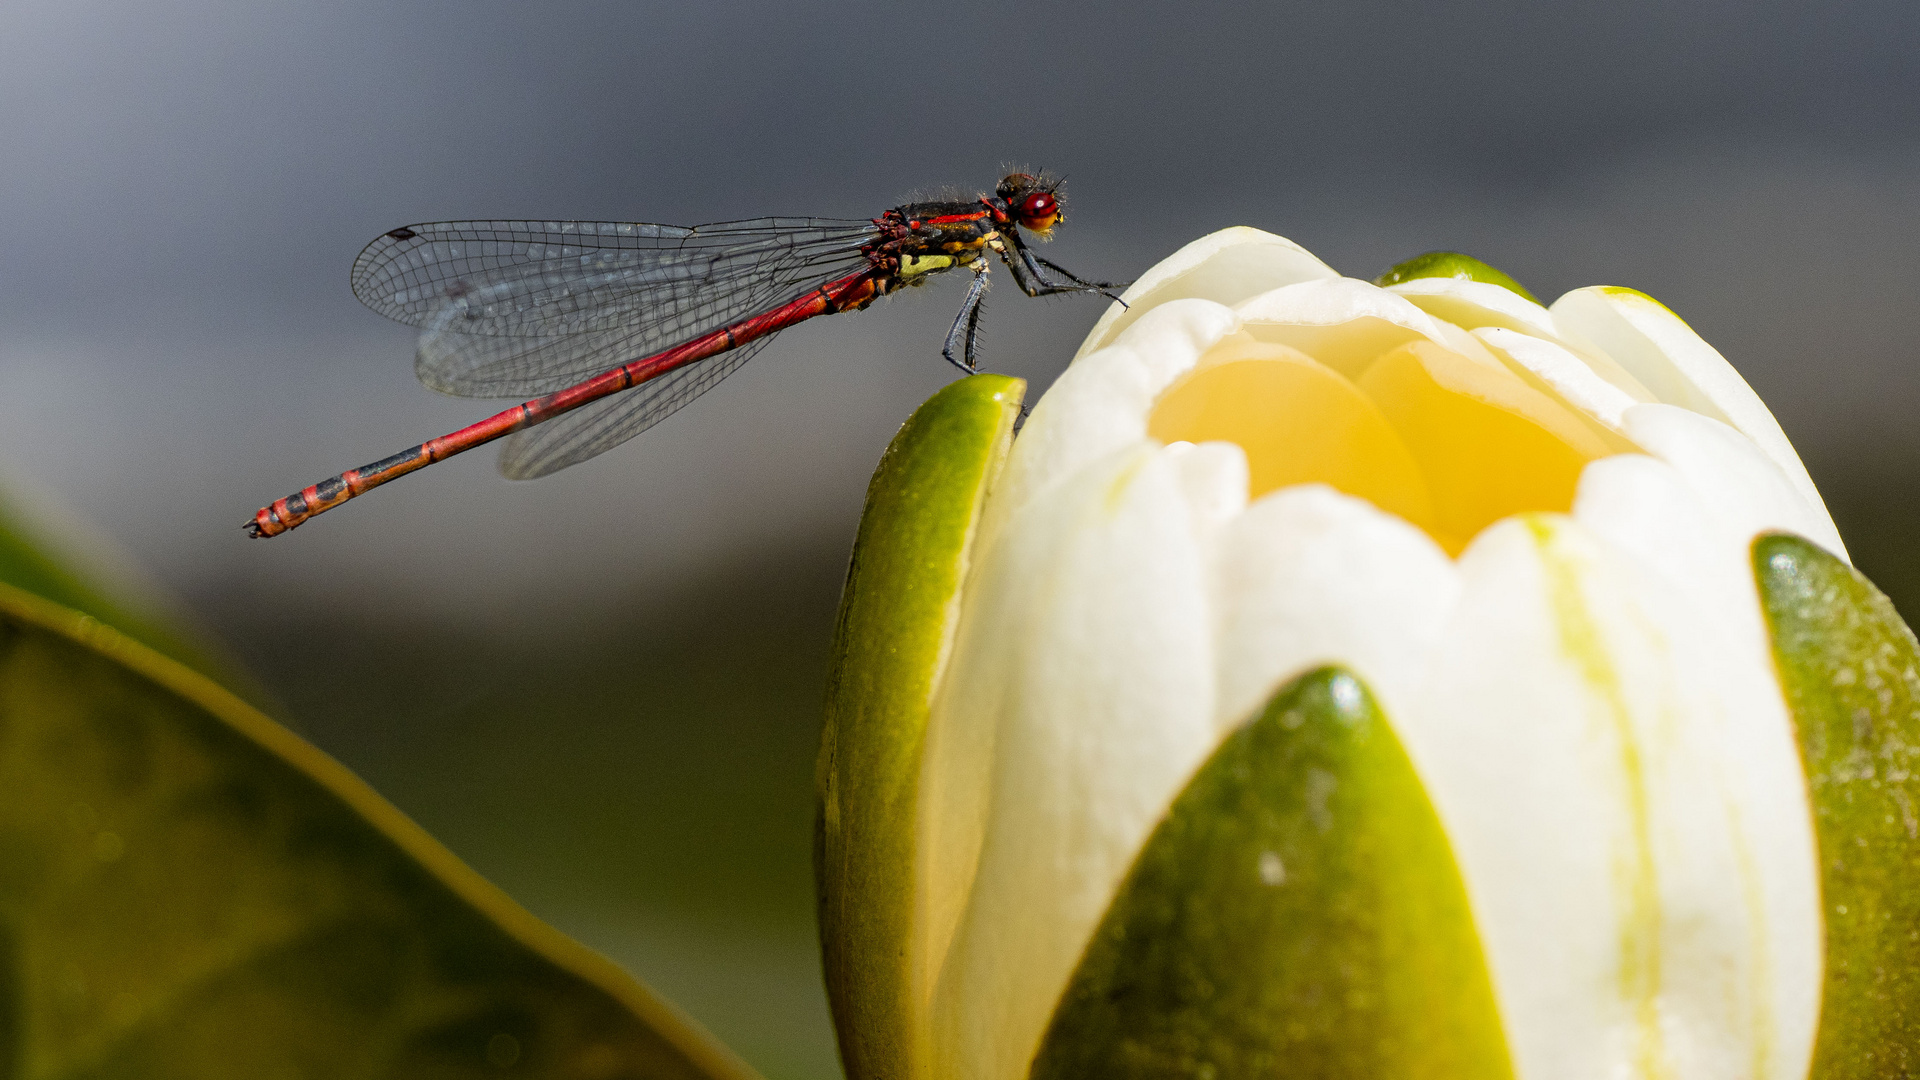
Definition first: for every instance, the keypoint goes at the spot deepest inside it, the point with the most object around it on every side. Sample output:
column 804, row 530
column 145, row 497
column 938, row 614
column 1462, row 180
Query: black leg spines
column 966, row 326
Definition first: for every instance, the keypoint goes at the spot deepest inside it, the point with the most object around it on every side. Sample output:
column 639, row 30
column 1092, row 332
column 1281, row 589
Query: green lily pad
column 1297, row 913
column 187, row 890
column 896, row 619
column 1450, row 264
column 1851, row 671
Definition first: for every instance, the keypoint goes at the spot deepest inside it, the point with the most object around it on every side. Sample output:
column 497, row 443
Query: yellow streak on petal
column 1753, row 891
column 1299, row 422
column 1489, row 445
column 1640, row 960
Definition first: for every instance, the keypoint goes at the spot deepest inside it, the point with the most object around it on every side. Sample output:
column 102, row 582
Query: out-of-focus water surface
column 602, row 688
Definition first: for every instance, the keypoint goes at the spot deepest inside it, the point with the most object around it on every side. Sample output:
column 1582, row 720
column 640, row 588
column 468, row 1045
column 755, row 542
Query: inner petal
column 1299, row 422
column 1489, row 445
column 1446, row 441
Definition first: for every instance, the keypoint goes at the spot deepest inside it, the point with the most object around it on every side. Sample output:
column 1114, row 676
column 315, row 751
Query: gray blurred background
column 602, row 688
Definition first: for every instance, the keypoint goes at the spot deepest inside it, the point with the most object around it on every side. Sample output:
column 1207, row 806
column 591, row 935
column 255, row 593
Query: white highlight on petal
column 1737, row 483
column 1664, row 353
column 1308, row 576
column 1344, row 323
column 1226, row 267
column 1214, row 477
column 1079, row 701
column 1565, row 374
column 1473, row 304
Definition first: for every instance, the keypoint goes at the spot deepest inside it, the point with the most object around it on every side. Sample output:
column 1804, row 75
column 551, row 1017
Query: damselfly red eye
column 1039, row 211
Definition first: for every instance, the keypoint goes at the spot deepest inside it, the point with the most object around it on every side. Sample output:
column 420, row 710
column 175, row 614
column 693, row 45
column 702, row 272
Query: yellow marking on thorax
column 912, row 266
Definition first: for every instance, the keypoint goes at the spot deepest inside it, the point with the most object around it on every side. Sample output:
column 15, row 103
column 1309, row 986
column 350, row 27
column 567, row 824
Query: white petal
column 1582, row 745
column 1344, row 323
column 1680, row 368
column 1646, row 506
column 1226, row 267
column 1565, row 374
column 1101, row 403
column 1474, row 304
column 1737, row 484
column 1308, row 576
column 1214, row 477
column 1649, row 512
column 1079, row 701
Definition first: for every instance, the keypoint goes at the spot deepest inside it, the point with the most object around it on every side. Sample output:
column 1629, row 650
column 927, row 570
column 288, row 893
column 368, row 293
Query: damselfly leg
column 966, row 326
column 1030, row 273
column 1104, row 288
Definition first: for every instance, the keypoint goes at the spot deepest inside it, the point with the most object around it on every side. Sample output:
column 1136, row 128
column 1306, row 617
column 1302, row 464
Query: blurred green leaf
column 637, row 769
column 189, row 890
column 25, row 563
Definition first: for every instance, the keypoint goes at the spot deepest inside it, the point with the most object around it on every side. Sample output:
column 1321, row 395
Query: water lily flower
column 1382, row 679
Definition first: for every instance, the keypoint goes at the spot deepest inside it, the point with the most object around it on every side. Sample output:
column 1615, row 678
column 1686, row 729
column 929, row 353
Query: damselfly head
column 1033, row 201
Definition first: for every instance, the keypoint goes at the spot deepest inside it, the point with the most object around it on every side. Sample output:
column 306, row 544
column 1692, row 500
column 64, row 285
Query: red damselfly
column 618, row 324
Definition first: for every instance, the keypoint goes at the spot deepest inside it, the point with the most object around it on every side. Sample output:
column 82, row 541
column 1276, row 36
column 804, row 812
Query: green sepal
column 1851, row 671
column 1298, row 912
column 1450, row 264
column 896, row 620
column 190, row 892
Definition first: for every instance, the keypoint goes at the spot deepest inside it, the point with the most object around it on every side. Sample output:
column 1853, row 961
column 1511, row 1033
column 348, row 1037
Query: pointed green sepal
column 1851, row 672
column 1450, row 264
column 896, row 620
column 1298, row 912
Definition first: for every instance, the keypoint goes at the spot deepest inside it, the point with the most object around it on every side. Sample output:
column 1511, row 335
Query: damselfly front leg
column 1030, row 272
column 1104, row 288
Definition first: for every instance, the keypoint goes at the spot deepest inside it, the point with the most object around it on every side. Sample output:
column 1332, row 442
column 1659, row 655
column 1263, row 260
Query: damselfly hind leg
column 966, row 326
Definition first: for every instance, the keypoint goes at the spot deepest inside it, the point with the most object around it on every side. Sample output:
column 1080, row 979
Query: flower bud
column 1366, row 679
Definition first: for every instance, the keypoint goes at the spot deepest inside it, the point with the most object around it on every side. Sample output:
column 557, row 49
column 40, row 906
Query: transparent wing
column 599, row 427
column 479, row 365
column 527, row 307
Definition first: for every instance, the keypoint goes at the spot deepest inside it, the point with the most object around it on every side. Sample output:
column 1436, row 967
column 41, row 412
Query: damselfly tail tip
column 261, row 526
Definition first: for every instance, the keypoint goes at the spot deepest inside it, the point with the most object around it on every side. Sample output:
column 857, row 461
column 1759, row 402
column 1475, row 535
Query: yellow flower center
column 1450, row 442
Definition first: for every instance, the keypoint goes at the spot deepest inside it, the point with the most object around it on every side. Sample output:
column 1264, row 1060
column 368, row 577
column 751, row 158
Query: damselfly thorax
column 614, row 325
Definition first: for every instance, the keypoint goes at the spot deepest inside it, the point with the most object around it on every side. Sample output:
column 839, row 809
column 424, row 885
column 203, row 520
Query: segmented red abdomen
column 850, row 291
